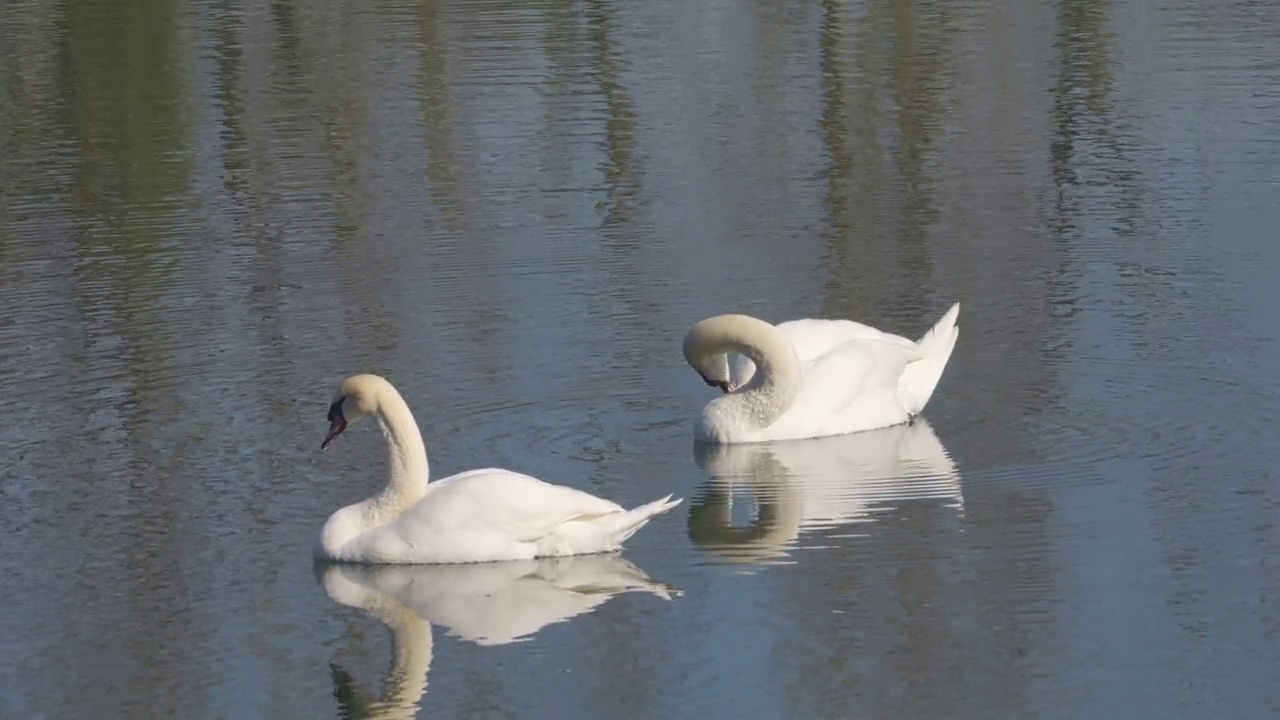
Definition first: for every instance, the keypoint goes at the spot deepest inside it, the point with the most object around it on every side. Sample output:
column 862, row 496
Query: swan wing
column 518, row 506
column 859, row 372
column 812, row 339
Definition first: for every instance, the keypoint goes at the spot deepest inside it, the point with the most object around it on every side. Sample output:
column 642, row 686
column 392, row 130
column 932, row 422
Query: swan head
column 716, row 373
column 356, row 398
column 707, row 346
column 708, row 358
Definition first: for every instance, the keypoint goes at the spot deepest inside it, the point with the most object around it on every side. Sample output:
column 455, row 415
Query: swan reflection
column 485, row 603
column 805, row 485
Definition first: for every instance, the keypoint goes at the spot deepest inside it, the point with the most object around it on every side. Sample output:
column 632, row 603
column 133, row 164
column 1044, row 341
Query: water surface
column 212, row 212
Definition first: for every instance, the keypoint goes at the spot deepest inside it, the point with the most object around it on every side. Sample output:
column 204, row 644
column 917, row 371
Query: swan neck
column 777, row 377
column 407, row 454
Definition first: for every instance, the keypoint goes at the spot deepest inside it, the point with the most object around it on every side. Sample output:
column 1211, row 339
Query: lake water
column 213, row 211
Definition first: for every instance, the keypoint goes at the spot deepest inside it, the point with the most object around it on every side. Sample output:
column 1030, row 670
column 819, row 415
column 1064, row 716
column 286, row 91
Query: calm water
column 212, row 212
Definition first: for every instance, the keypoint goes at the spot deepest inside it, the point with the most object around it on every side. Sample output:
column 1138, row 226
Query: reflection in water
column 880, row 136
column 406, row 680
column 483, row 603
column 809, row 485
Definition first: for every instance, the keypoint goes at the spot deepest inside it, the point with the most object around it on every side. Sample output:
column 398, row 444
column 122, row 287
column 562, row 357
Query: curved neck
column 407, row 455
column 777, row 378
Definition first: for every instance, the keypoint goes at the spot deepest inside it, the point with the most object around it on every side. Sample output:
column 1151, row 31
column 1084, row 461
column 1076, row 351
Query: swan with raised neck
column 363, row 396
column 481, row 515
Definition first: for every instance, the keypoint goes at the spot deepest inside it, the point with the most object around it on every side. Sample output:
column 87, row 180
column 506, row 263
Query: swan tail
column 621, row 526
column 921, row 377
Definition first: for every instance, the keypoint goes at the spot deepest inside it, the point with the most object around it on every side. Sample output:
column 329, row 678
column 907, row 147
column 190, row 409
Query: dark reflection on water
column 211, row 212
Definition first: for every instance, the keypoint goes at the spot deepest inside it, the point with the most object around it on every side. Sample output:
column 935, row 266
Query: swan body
column 812, row 378
column 475, row 516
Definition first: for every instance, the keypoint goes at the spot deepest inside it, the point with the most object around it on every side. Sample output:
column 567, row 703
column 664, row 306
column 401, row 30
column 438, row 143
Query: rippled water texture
column 212, row 212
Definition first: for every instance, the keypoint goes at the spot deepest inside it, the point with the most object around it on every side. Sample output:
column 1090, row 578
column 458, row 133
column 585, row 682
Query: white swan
column 487, row 604
column 815, row 377
column 813, row 484
column 474, row 516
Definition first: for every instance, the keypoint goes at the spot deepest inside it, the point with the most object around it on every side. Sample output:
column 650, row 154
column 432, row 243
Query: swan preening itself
column 812, row 378
column 474, row 516
column 487, row 604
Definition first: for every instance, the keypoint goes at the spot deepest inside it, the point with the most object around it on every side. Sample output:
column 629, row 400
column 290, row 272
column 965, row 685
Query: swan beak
column 722, row 384
column 336, row 427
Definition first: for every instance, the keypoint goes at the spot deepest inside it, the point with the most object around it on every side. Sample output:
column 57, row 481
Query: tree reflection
column 123, row 101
